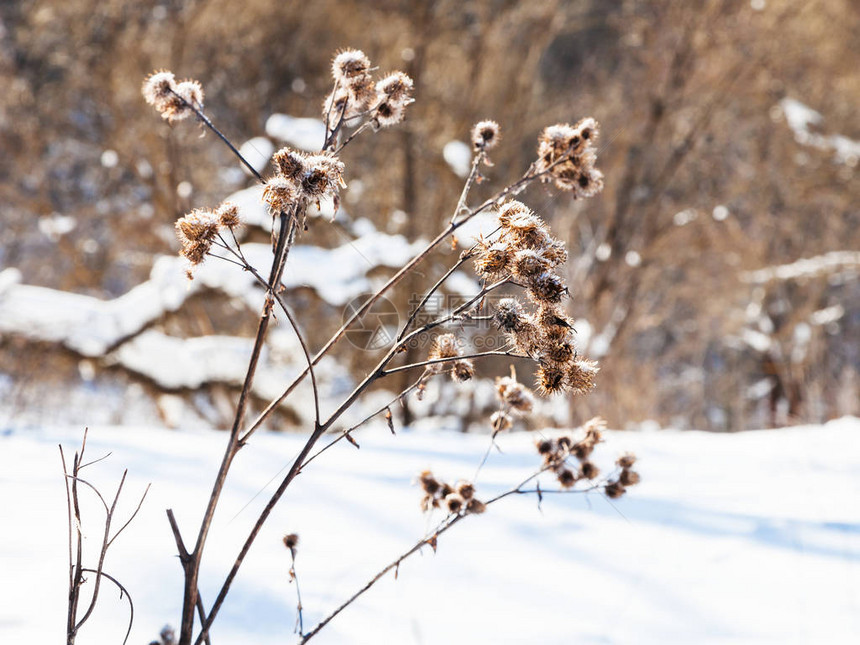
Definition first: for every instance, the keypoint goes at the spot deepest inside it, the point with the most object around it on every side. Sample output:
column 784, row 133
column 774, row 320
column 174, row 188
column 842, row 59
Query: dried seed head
column 566, row 478
column 191, row 92
column 463, row 370
column 291, row 541
column 493, row 262
column 527, row 337
column 280, row 194
column 290, row 164
column 545, row 446
column 466, row 489
column 555, row 252
column 514, row 393
column 550, row 379
column 397, row 86
column 511, row 209
column 388, row 113
column 555, row 354
column 475, row 506
column 594, row 427
column 445, row 490
column 454, row 502
column 444, row 346
column 196, row 232
column 628, row 477
column 349, row 65
column 528, row 263
column 509, row 314
column 588, row 470
column 564, row 443
column 501, row 421
column 228, row 215
column 547, row 287
column 485, row 135
column 614, row 490
column 580, row 376
column 583, row 449
column 626, row 460
column 323, row 176
column 428, row 482
column 157, row 88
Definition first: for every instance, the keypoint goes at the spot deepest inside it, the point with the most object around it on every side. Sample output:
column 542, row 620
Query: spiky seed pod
column 485, row 135
column 493, row 262
column 428, row 482
column 629, row 477
column 566, row 478
column 544, row 446
column 196, row 232
column 444, row 346
column 388, row 113
column 454, row 502
column 588, row 470
column 397, row 86
column 528, row 263
column 157, row 88
column 614, row 490
column 463, row 371
column 583, row 449
column 191, row 92
column 553, row 321
column 514, row 393
column 589, row 130
column 580, row 376
column 550, row 379
column 445, row 490
column 363, row 95
column 511, row 209
column 527, row 337
column 556, row 353
column 466, row 489
column 323, row 176
column 280, row 193
column 228, row 215
column 501, row 421
column 475, row 506
column 349, row 65
column 555, row 252
column 546, row 287
column 564, row 442
column 290, row 164
column 557, row 141
column 291, row 541
column 593, row 428
column 509, row 314
column 626, row 460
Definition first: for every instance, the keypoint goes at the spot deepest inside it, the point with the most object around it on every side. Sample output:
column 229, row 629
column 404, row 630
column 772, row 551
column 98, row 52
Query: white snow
column 306, row 134
column 458, row 156
column 828, row 263
column 802, row 119
column 257, row 152
column 91, row 326
column 748, row 538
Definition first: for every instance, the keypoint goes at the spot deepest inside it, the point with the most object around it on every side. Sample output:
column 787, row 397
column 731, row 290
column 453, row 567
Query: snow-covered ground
column 732, row 538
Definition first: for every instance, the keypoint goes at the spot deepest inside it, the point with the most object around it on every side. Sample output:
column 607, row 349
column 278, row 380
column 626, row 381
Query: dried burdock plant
column 520, row 255
column 77, row 571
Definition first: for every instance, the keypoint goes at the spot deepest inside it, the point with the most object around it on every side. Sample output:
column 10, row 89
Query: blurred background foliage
column 705, row 179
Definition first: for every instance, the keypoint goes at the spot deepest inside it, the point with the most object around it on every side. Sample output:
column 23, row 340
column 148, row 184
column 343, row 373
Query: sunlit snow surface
column 731, row 538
